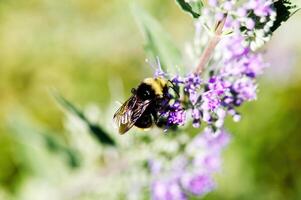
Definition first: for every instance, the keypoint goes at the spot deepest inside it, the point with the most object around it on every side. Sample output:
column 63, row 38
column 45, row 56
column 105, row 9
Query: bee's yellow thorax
column 157, row 84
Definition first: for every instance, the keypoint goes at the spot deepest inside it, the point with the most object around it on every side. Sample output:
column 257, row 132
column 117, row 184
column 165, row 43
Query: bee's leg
column 158, row 120
column 174, row 87
column 155, row 115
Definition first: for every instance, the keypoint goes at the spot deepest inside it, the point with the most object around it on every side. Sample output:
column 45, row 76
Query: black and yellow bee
column 142, row 108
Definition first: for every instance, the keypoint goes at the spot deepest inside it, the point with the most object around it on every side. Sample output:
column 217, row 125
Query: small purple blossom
column 191, row 85
column 245, row 89
column 177, row 80
column 167, row 190
column 198, row 184
column 261, row 8
column 176, row 117
column 176, row 114
column 154, row 166
column 216, row 89
column 212, row 162
column 211, row 100
column 250, row 24
column 216, row 141
column 158, row 70
column 235, row 47
column 196, row 116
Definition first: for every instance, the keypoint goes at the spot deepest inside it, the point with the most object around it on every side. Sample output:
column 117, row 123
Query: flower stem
column 211, row 46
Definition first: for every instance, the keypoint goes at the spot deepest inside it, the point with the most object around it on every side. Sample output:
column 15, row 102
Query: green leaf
column 54, row 145
column 102, row 136
column 158, row 43
column 36, row 141
column 284, row 10
column 193, row 8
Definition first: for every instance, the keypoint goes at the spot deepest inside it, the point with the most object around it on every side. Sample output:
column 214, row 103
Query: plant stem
column 211, row 46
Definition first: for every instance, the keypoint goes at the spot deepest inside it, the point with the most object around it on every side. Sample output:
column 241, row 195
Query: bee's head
column 145, row 92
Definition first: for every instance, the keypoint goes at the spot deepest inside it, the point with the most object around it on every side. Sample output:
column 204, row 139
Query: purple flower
column 241, row 12
column 209, row 161
column 167, row 190
column 235, row 47
column 191, row 86
column 250, row 24
column 176, row 114
column 196, row 116
column 159, row 73
column 254, row 64
column 192, row 172
column 218, row 85
column 210, row 141
column 245, row 89
column 212, row 98
column 198, row 184
column 212, row 2
column 177, row 80
column 158, row 69
column 261, row 8
column 176, row 117
column 154, row 166
column 216, row 142
column 212, row 162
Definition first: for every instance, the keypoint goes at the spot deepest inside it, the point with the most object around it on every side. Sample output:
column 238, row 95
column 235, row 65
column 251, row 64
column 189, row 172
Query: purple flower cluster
column 253, row 18
column 230, row 80
column 242, row 14
column 191, row 172
column 211, row 100
column 238, row 58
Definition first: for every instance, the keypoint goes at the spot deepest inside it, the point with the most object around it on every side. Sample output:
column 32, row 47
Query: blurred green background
column 80, row 47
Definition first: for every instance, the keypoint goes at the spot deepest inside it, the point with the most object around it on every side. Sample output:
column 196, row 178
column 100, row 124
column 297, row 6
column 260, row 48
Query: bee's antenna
column 151, row 63
column 133, row 91
column 155, row 64
column 158, row 63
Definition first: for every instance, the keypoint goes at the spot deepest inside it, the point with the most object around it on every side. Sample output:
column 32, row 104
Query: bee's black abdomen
column 145, row 121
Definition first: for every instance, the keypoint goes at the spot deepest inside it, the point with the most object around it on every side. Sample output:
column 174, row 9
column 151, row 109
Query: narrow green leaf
column 194, row 8
column 54, row 145
column 33, row 137
column 95, row 129
column 157, row 42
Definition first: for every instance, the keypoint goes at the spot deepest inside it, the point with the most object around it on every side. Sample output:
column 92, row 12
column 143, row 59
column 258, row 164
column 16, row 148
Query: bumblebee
column 142, row 108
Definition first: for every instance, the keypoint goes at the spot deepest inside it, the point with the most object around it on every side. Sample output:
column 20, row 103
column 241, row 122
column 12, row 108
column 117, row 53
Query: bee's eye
column 146, row 93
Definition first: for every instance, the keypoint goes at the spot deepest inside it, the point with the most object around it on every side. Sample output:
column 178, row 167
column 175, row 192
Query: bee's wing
column 126, row 116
